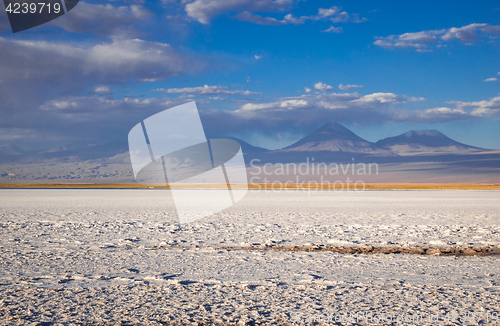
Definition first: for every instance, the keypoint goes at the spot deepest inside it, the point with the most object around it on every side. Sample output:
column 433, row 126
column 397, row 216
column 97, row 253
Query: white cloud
column 293, row 20
column 433, row 115
column 287, row 104
column 103, row 19
column 462, row 110
column 328, row 12
column 257, row 19
column 205, row 90
column 341, row 17
column 308, row 90
column 96, row 103
column 349, row 87
column 251, row 11
column 311, row 109
column 492, row 79
column 204, row 10
column 469, row 33
column 261, row 20
column 322, row 87
column 381, row 98
column 92, row 119
column 119, row 59
column 481, row 108
column 257, row 57
column 333, row 29
column 335, row 15
column 353, row 108
column 102, row 89
column 289, row 113
column 332, row 14
column 422, row 41
column 334, row 101
column 445, row 110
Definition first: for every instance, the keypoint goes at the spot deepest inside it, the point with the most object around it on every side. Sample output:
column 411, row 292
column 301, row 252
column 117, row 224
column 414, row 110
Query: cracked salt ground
column 462, row 218
column 98, row 256
column 229, row 303
column 55, row 268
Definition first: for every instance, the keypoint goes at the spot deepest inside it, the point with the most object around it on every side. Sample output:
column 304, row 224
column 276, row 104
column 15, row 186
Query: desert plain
column 294, row 257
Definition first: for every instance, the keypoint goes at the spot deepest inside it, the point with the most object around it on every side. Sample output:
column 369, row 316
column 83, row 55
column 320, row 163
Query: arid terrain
column 94, row 256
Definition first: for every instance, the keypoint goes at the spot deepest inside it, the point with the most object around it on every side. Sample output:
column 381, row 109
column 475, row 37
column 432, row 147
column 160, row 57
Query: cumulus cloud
column 480, row 108
column 416, row 99
column 123, row 59
column 333, row 14
column 257, row 19
column 251, row 11
column 33, row 71
column 307, row 89
column 433, row 115
column 261, row 20
column 90, row 119
column 286, row 104
column 330, row 12
column 305, row 111
column 205, row 90
column 103, row 19
column 322, row 87
column 311, row 110
column 333, row 29
column 257, row 57
column 78, row 116
column 204, row 10
column 461, row 111
column 492, row 79
column 381, row 98
column 469, row 33
column 334, row 101
column 102, row 90
column 424, row 41
column 93, row 104
column 349, row 87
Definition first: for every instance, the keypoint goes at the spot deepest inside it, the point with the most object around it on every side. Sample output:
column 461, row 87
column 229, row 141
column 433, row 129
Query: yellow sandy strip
column 268, row 186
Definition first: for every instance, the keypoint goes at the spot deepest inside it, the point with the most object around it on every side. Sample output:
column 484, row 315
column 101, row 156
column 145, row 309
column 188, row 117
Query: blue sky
column 266, row 71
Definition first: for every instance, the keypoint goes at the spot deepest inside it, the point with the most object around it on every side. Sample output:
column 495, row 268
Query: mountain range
column 335, row 143
column 330, row 143
column 415, row 156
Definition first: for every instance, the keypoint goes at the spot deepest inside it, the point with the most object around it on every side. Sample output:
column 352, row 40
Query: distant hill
column 333, row 137
column 9, row 149
column 62, row 154
column 330, row 143
column 426, row 142
column 10, row 153
column 335, row 143
column 415, row 156
column 248, row 149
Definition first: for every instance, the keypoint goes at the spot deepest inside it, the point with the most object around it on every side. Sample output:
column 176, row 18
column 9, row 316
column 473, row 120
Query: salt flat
column 64, row 252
